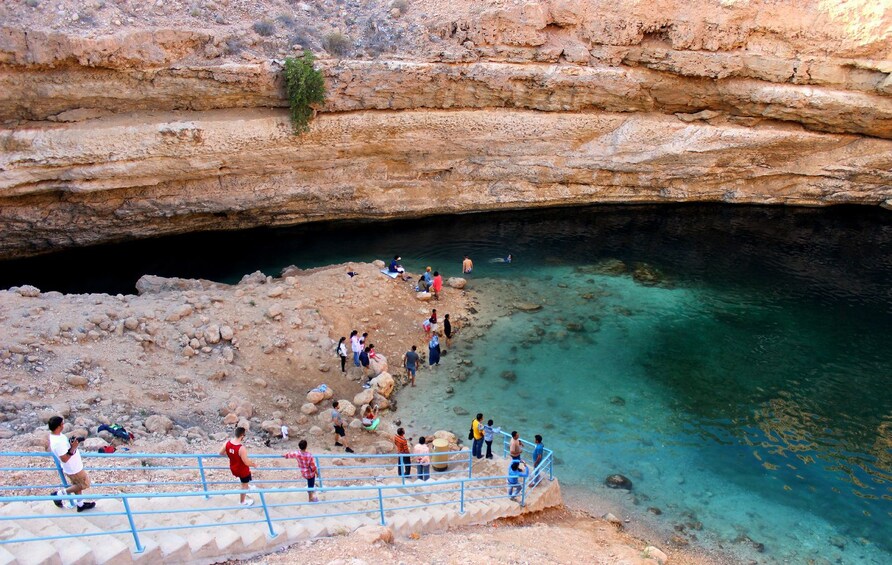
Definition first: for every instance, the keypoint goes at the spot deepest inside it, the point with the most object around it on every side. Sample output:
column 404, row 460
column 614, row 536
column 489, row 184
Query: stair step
column 201, row 543
column 7, row 558
column 174, row 548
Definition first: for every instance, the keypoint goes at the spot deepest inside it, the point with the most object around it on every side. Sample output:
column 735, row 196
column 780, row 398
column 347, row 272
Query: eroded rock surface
column 113, row 131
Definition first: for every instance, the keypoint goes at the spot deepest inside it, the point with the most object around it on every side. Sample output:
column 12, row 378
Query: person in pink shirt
column 424, row 461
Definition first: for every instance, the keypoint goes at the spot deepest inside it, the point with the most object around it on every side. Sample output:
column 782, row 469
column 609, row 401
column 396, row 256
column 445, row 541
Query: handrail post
column 272, row 532
column 461, row 508
column 523, row 493
column 504, row 445
column 139, row 546
column 318, row 471
column 59, row 469
column 551, row 467
column 204, row 483
column 470, row 463
column 381, row 506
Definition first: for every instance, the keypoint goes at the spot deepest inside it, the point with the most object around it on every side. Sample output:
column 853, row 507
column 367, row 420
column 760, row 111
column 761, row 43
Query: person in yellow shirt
column 477, row 431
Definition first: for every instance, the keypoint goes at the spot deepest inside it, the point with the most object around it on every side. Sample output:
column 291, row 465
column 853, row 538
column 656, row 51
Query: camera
column 77, row 439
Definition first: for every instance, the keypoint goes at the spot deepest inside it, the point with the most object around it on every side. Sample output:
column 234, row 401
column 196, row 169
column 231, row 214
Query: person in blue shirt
column 514, row 476
column 488, row 431
column 538, row 455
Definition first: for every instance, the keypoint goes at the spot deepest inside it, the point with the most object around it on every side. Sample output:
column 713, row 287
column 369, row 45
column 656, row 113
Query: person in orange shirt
column 404, row 462
column 437, row 285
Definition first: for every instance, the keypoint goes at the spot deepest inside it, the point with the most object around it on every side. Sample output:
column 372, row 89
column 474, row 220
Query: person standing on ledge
column 477, row 430
column 72, row 465
column 515, row 448
column 410, row 362
column 447, row 330
column 342, row 354
column 239, row 464
column 437, row 285
column 467, row 265
column 355, row 346
column 404, row 462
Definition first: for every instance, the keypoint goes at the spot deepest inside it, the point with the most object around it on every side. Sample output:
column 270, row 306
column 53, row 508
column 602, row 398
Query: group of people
column 362, row 354
column 482, row 434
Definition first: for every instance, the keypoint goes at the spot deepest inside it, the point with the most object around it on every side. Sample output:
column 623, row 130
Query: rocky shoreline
column 184, row 361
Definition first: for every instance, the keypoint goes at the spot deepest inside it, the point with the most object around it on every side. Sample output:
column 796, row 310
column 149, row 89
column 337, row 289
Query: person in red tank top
column 239, row 463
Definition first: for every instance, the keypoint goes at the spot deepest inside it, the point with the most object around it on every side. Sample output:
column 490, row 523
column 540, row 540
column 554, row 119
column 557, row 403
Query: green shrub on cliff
column 305, row 87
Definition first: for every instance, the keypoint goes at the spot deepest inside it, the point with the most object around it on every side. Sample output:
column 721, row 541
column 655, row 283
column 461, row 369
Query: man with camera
column 72, row 465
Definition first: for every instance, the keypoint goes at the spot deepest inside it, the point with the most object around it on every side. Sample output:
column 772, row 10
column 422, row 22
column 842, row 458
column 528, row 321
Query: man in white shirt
column 72, row 466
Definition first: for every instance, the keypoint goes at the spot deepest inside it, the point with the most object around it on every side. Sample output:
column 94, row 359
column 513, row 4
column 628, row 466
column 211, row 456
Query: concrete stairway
column 215, row 540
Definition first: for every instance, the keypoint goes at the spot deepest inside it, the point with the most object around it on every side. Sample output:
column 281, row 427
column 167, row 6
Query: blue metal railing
column 461, row 486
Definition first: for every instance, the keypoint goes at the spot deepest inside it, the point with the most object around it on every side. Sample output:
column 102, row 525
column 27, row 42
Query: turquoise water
column 745, row 393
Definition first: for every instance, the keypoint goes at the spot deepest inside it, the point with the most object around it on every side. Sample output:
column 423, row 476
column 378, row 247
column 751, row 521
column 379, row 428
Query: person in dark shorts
column 338, row 423
column 239, row 463
column 410, row 362
column 307, row 464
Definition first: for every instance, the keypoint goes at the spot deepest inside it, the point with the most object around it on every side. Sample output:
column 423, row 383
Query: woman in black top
column 447, row 330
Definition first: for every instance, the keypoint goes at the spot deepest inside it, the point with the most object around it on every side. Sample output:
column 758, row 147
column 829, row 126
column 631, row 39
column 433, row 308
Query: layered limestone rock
column 502, row 105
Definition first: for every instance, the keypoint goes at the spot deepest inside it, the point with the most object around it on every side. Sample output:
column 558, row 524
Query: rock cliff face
column 134, row 133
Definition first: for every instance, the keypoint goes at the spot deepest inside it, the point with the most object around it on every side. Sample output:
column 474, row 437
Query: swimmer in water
column 501, row 259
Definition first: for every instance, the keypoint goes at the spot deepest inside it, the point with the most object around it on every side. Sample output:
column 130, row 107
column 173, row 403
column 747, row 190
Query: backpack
column 107, row 449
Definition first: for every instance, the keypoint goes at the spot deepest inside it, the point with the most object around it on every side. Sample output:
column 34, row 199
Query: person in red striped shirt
column 307, row 464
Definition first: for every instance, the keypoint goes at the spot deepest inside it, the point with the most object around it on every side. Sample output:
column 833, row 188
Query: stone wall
column 508, row 105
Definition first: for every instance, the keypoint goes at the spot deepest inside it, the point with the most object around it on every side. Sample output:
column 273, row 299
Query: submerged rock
column 648, row 275
column 459, row 411
column 618, row 401
column 527, row 306
column 618, row 481
column 611, row 267
column 509, row 376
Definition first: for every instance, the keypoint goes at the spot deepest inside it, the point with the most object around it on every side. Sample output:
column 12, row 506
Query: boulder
column 378, row 263
column 651, row 552
column 131, row 323
column 274, row 312
column 447, row 435
column 378, row 365
column 364, row 397
column 93, row 443
column 309, row 409
column 423, row 296
column 383, row 384
column 315, row 397
column 373, row 533
column 315, row 431
column 230, row 419
column 226, row 333
column 28, row 291
column 272, row 427
column 613, row 520
column 346, row 407
column 158, row 424
column 212, row 334
column 456, row 282
column 77, row 380
column 527, row 306
column 618, row 481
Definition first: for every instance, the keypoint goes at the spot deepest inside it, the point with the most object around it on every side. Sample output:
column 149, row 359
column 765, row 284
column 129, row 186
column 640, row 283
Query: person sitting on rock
column 370, row 419
column 395, row 267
